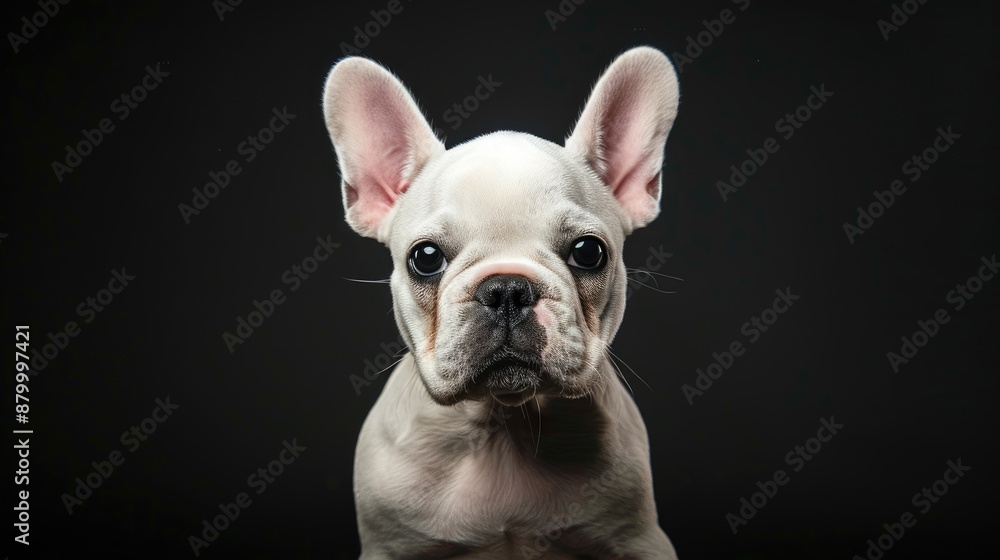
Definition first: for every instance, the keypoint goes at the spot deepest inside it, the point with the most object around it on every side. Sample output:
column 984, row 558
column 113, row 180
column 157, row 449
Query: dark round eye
column 426, row 259
column 587, row 253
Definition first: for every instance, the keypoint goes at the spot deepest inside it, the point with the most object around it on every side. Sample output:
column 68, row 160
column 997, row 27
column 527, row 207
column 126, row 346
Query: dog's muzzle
column 509, row 368
column 507, row 299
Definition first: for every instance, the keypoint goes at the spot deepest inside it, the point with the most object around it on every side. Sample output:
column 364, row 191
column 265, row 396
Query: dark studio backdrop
column 93, row 233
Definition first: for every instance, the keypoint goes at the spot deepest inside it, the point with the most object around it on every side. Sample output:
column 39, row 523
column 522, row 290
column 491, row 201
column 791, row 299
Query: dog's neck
column 547, row 431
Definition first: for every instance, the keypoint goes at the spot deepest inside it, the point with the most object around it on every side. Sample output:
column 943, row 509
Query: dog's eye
column 427, row 259
column 587, row 253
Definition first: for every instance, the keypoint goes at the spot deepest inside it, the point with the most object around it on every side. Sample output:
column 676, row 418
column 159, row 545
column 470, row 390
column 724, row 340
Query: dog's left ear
column 623, row 128
column 381, row 138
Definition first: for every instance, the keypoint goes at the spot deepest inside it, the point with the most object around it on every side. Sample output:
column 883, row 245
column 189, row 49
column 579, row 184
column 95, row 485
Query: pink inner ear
column 637, row 193
column 627, row 158
column 381, row 125
column 369, row 210
column 623, row 129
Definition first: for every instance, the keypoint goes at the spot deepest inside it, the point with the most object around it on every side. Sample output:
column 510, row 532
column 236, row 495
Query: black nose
column 507, row 298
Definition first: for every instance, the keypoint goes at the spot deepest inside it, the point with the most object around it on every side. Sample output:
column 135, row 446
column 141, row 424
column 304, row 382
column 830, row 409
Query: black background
column 291, row 379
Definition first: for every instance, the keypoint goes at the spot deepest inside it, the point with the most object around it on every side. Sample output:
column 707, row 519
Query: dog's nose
column 507, row 298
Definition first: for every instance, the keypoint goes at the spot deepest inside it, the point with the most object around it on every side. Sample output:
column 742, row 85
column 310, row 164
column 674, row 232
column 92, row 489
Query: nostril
column 507, row 295
column 492, row 297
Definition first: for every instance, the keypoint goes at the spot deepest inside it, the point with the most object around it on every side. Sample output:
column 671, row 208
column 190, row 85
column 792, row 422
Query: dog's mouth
column 509, row 378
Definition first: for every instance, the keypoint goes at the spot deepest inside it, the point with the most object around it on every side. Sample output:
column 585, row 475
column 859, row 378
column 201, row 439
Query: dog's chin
column 510, row 379
column 511, row 383
column 508, row 396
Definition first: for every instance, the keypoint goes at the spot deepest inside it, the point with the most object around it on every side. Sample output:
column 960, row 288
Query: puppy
column 504, row 432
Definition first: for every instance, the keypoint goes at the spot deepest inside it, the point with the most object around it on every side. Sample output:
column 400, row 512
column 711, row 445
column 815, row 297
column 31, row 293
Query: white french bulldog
column 504, row 433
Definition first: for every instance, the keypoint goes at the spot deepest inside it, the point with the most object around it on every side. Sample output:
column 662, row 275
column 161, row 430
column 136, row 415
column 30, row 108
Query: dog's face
column 508, row 279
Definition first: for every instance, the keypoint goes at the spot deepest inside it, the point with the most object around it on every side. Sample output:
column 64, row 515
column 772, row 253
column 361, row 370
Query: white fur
column 506, row 203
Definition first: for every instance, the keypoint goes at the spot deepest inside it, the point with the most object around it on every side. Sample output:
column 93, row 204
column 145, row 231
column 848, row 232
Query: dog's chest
column 490, row 495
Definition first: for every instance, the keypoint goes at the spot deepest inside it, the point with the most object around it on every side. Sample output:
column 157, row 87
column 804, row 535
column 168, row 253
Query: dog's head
column 508, row 276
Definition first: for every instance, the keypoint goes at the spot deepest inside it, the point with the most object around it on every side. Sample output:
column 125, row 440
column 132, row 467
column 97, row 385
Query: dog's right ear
column 381, row 138
column 624, row 126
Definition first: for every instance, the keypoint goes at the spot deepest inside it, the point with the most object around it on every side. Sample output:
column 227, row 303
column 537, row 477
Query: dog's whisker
column 607, row 380
column 651, row 273
column 654, row 288
column 388, row 366
column 531, row 431
column 602, row 383
column 620, row 374
column 640, row 271
column 510, row 438
column 610, row 351
column 539, row 409
column 363, row 281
